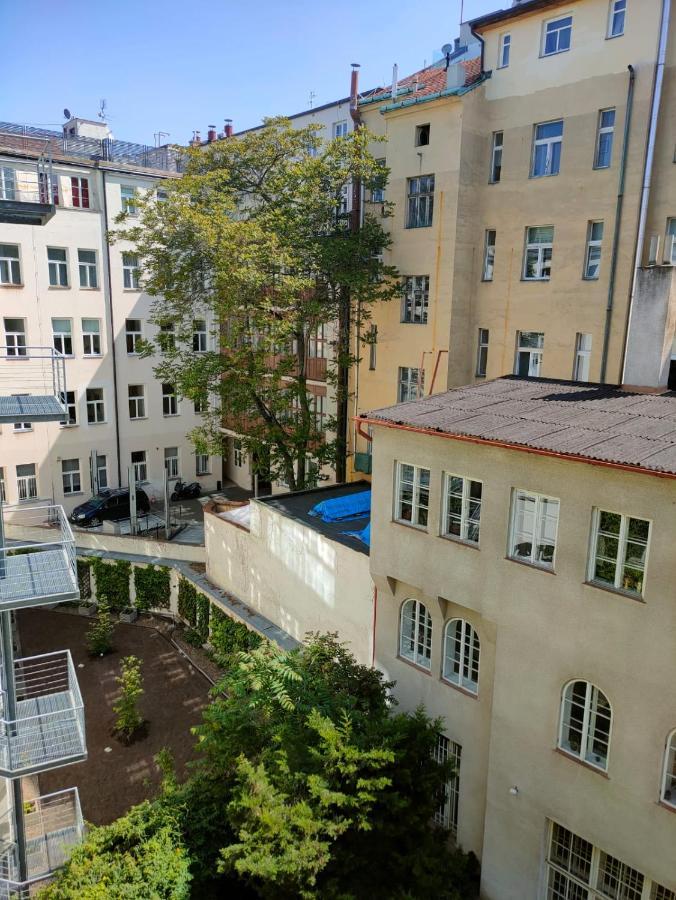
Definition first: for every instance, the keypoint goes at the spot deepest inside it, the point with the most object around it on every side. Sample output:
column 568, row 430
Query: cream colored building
column 63, row 285
column 505, row 182
column 522, row 551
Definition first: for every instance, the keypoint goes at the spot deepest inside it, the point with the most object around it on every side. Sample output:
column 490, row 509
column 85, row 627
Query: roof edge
column 513, row 12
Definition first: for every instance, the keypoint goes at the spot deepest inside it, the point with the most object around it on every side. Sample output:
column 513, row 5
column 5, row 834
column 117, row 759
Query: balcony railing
column 39, row 566
column 32, row 383
column 48, row 728
column 53, row 825
column 29, row 196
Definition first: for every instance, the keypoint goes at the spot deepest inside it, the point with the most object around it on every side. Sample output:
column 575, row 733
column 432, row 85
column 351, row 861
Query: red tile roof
column 430, row 80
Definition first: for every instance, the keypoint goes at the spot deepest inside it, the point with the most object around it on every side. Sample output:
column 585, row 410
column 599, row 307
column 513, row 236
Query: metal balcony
column 53, row 825
column 28, row 196
column 47, row 729
column 38, row 567
column 32, row 383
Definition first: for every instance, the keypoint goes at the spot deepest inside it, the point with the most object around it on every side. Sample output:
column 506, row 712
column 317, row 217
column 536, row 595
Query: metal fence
column 30, row 372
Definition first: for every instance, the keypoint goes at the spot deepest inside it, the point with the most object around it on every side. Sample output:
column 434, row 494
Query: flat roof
column 298, row 505
column 595, row 423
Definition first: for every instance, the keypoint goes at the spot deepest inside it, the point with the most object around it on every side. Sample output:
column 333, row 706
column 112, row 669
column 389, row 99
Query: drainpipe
column 375, row 619
column 648, row 168
column 618, row 222
column 109, row 290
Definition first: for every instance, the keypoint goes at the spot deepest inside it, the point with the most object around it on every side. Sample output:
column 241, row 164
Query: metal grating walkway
column 31, row 579
column 48, row 731
column 30, row 408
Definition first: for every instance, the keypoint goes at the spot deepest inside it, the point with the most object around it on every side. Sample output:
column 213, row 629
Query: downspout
column 618, row 222
column 109, row 290
column 375, row 619
column 648, row 168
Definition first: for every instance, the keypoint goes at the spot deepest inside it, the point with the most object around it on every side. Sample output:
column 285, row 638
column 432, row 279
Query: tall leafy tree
column 256, row 234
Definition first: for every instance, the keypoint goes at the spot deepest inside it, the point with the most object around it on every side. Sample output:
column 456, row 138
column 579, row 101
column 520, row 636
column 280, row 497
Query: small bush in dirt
column 128, row 717
column 99, row 637
column 192, row 637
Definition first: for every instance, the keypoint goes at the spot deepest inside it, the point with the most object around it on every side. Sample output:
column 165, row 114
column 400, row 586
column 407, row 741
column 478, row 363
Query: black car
column 111, row 505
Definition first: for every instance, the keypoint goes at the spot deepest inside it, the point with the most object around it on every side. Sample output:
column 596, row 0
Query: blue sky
column 177, row 66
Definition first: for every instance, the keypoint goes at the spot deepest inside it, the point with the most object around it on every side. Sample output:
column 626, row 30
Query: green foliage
column 187, row 601
column 99, row 638
column 128, row 718
column 141, row 855
column 192, row 637
column 202, row 616
column 153, row 587
column 229, row 636
column 112, row 582
column 84, row 578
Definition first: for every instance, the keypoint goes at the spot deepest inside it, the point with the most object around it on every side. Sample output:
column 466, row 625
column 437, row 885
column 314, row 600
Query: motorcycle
column 184, row 491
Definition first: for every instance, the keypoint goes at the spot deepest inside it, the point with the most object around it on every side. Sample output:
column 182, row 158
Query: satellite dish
column 446, row 49
column 66, row 113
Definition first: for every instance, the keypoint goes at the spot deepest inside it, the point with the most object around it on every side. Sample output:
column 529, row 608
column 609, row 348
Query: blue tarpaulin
column 338, row 509
column 363, row 535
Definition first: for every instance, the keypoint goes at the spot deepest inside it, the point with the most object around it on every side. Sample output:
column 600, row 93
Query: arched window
column 415, row 634
column 461, row 655
column 669, row 778
column 585, row 723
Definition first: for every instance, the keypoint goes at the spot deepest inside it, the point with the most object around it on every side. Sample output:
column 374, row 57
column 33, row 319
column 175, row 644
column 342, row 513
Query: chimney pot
column 228, row 128
column 211, row 133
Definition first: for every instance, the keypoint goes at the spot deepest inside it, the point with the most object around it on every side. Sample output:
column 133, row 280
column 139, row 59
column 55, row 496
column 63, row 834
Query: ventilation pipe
column 228, row 128
column 395, row 81
column 211, row 134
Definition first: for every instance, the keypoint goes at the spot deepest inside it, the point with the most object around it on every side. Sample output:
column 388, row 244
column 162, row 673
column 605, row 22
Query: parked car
column 108, row 505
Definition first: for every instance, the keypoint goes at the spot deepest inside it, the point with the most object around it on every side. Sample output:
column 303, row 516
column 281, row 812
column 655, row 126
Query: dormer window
column 422, row 135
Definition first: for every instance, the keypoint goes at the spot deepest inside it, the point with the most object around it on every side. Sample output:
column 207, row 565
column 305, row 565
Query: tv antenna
column 312, row 98
column 102, row 110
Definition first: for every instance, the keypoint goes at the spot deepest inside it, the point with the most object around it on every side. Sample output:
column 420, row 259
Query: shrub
column 187, row 601
column 99, row 637
column 129, row 719
column 202, row 617
column 112, row 583
column 153, row 587
column 229, row 636
column 84, row 578
column 192, row 637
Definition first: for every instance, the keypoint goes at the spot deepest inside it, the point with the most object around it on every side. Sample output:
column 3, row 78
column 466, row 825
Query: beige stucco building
column 522, row 551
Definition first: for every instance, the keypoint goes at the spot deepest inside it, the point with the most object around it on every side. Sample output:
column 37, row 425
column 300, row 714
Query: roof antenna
column 102, row 110
column 447, row 49
column 312, row 98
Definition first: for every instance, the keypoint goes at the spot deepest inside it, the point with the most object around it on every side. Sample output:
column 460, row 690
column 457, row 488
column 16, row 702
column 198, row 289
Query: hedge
column 153, row 587
column 202, row 619
column 84, row 578
column 229, row 636
column 187, row 601
column 112, row 582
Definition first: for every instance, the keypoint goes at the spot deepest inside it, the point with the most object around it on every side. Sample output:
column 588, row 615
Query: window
column 137, row 401
column 70, row 474
column 101, row 472
column 134, row 335
column 238, row 454
column 535, row 519
column 3, row 491
column 22, row 426
column 592, row 263
column 26, row 482
column 316, row 344
column 68, row 400
column 446, row 814
column 618, row 11
column 15, row 336
column 373, row 346
column 200, row 405
column 496, row 157
column 48, row 188
column 670, row 246
column 604, row 139
column 10, row 270
column 547, row 141
column 169, row 400
column 412, row 498
column 583, row 345
column 201, row 464
column 58, row 267
column 86, row 260
column 489, row 255
column 128, row 196
column 378, row 186
column 171, row 461
column 422, row 135
column 7, row 183
column 167, row 338
column 79, row 188
column 199, row 336
column 482, row 353
column 339, row 128
column 138, row 461
column 669, row 778
column 462, row 508
column 415, row 634
column 91, row 337
column 503, row 52
column 95, row 407
column 62, row 336
column 557, row 34
column 585, row 723
column 411, row 384
column 620, row 548
column 420, row 197
column 461, row 655
column 161, row 195
column 538, row 257
column 130, row 272
column 529, row 348
column 416, row 299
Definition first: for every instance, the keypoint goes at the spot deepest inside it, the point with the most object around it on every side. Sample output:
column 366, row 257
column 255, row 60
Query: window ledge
column 472, row 545
column 458, row 687
column 534, row 177
column 73, row 494
column 480, row 375
column 58, row 287
column 89, row 288
column 582, row 762
column 97, row 423
column 613, row 37
column 415, row 666
column 613, row 590
column 5, row 286
column 666, row 805
column 169, row 415
column 131, row 290
column 549, row 570
column 139, row 418
column 92, row 356
column 554, row 53
column 404, row 524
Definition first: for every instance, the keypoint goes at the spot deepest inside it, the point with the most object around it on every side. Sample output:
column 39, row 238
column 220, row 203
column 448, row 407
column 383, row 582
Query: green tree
column 255, row 234
column 99, row 637
column 126, row 708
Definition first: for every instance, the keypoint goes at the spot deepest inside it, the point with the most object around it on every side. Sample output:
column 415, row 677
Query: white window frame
column 22, row 426
column 202, row 464
column 172, row 463
column 131, row 272
column 602, row 131
column 339, row 129
column 469, row 517
column 420, row 201
column 418, row 636
column 588, row 727
column 96, row 407
column 482, row 352
column 101, row 470
column 543, row 263
column 558, row 32
column 504, row 50
column 490, row 237
column 416, row 300
column 670, row 242
column 409, row 386
column 446, row 814
column 10, row 265
column 91, row 338
column 419, row 487
column 80, row 197
column 7, row 183
column 169, row 400
column 62, row 340
column 69, row 401
column 497, row 146
column 135, row 336
column 137, row 402
column 3, row 488
column 669, row 772
column 537, row 537
column 534, row 353
column 583, row 348
column 200, row 336
column 617, row 8
column 620, row 562
column 166, row 337
column 71, row 480
column 15, row 339
column 549, row 144
column 140, row 465
column 592, row 257
column 238, row 454
column 128, row 199
column 88, row 270
column 57, row 266
column 27, row 484
column 461, row 659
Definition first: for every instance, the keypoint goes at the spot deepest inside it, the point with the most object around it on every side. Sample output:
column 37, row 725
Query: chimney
column 228, row 128
column 211, row 134
column 395, row 81
column 354, row 95
column 455, row 76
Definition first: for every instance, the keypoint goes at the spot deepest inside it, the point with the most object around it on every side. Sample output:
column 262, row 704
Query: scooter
column 184, row 491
